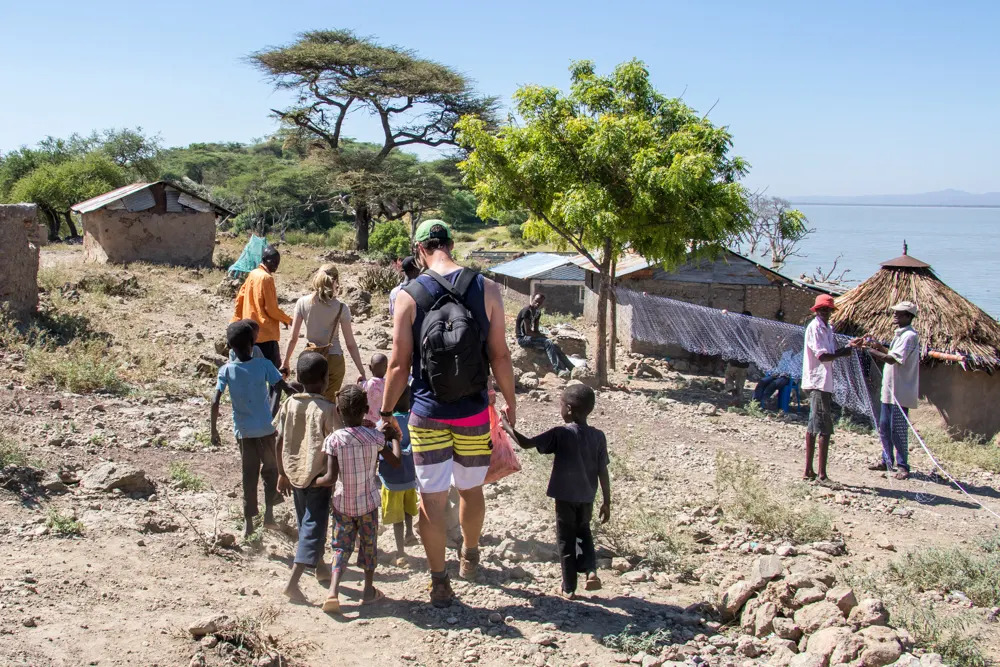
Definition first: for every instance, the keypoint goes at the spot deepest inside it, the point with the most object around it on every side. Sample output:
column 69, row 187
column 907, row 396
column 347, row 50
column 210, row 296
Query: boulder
column 764, row 619
column 748, row 620
column 529, row 360
column 805, row 596
column 818, row 616
column 569, row 340
column 529, row 381
column 111, row 475
column 870, row 611
column 807, row 660
column 208, row 625
column 781, row 657
column 828, row 641
column 881, row 646
column 786, row 628
column 707, row 409
column 584, row 374
column 767, row 568
column 735, row 597
column 843, row 597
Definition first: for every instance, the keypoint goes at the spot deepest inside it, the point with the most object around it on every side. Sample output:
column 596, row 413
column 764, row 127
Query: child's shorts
column 397, row 504
column 350, row 529
column 450, row 452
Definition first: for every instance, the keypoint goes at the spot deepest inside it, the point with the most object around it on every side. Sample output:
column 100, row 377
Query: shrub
column 184, row 478
column 631, row 642
column 11, row 453
column 80, row 366
column 391, row 239
column 747, row 495
column 63, row 525
column 223, row 259
column 339, row 236
column 464, row 237
column 975, row 571
column 379, row 279
column 515, row 231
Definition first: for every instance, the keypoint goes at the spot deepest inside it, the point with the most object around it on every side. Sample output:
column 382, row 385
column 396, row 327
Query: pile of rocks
column 359, row 301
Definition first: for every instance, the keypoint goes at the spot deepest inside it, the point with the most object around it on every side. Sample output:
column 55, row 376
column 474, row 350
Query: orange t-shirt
column 257, row 300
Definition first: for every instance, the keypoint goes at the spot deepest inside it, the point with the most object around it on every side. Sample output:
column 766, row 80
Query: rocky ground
column 111, row 556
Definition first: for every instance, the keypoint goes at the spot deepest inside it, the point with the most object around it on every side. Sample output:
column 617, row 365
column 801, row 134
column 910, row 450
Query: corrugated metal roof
column 100, row 201
column 565, row 272
column 630, row 263
column 531, row 265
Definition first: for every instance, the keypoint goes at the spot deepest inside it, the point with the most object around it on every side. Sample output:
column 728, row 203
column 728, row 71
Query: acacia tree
column 775, row 230
column 612, row 167
column 335, row 73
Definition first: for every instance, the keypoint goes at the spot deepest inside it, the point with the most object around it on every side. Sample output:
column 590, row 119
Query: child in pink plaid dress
column 351, row 467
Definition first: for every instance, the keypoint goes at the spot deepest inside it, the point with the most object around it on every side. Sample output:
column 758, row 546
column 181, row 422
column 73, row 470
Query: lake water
column 960, row 244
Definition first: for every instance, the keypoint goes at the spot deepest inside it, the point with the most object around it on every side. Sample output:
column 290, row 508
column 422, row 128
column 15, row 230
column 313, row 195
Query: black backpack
column 452, row 345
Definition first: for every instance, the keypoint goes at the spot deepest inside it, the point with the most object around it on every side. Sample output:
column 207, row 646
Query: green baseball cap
column 432, row 229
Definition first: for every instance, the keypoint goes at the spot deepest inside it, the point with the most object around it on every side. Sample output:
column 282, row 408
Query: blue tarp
column 250, row 257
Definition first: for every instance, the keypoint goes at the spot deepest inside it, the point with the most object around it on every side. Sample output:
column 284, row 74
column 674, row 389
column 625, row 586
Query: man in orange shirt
column 257, row 300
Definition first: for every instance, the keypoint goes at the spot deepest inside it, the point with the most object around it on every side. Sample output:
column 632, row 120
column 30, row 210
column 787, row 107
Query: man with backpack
column 448, row 334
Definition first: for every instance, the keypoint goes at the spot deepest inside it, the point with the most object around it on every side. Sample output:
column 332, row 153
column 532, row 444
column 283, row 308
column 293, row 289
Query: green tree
column 614, row 166
column 335, row 73
column 391, row 238
column 56, row 187
column 459, row 209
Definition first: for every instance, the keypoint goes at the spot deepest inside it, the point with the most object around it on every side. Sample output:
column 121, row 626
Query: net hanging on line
column 767, row 343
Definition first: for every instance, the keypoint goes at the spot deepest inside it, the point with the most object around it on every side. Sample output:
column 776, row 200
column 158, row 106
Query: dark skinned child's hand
column 605, row 512
column 284, row 485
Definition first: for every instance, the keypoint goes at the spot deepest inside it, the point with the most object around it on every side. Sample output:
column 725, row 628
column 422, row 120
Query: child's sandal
column 331, row 606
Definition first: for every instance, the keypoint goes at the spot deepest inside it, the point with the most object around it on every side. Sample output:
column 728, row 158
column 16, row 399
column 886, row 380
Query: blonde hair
column 324, row 282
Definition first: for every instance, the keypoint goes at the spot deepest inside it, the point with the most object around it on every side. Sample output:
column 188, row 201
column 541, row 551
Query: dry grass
column 80, row 366
column 973, row 571
column 959, row 453
column 748, row 496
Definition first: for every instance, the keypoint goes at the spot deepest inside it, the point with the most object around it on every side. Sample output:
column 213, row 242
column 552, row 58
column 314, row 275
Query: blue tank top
column 424, row 403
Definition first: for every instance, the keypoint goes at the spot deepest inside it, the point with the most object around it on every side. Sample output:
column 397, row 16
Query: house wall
column 19, row 245
column 560, row 297
column 965, row 400
column 120, row 236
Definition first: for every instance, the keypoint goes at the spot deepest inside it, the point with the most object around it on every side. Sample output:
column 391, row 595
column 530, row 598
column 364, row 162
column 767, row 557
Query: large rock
column 786, row 628
column 585, row 375
column 735, row 597
column 881, row 646
column 843, row 597
column 807, row 660
column 767, row 568
column 870, row 611
column 764, row 619
column 571, row 341
column 208, row 625
column 111, row 475
column 529, row 360
column 818, row 616
column 836, row 645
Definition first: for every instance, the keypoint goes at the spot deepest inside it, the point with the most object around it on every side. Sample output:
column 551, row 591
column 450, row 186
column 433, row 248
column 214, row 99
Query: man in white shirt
column 900, row 388
column 818, row 354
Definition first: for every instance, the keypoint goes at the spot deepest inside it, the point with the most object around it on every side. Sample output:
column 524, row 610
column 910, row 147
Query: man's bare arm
column 496, row 348
column 404, row 313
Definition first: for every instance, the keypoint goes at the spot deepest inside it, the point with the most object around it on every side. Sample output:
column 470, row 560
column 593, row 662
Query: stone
column 881, row 646
column 620, row 565
column 748, row 621
column 868, row 612
column 786, row 628
column 226, row 540
column 543, row 639
column 884, row 542
column 636, row 576
column 651, row 661
column 746, row 647
column 208, row 625
column 707, row 409
column 529, row 380
column 805, row 596
column 781, row 657
column 818, row 616
column 843, row 597
column 931, row 660
column 768, row 567
column 764, row 619
column 111, row 475
column 807, row 660
column 584, row 374
column 824, row 642
column 734, row 598
column 53, row 484
column 152, row 523
column 830, row 548
column 186, row 434
column 209, row 641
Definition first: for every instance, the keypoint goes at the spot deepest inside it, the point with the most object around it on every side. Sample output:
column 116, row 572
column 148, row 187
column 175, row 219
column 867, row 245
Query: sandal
column 331, row 606
column 592, row 583
column 809, row 477
column 379, row 596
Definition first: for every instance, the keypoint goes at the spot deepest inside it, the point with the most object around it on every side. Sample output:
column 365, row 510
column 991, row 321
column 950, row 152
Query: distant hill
column 939, row 198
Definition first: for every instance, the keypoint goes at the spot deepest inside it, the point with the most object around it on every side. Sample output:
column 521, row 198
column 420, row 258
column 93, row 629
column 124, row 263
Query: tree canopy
column 775, row 230
column 334, row 73
column 611, row 167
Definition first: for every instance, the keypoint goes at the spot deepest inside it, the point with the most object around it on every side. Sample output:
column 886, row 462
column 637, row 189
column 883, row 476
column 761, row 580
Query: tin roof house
column 556, row 276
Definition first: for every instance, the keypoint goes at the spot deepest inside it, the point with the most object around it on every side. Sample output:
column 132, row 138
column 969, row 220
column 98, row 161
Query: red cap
column 824, row 301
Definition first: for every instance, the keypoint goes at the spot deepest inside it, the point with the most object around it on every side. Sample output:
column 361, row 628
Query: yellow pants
column 335, row 376
column 397, row 504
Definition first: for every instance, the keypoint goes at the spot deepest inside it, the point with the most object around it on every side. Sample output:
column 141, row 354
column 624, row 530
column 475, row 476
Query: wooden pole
column 614, row 317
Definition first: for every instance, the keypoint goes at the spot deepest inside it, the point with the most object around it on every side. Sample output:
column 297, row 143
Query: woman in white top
column 323, row 315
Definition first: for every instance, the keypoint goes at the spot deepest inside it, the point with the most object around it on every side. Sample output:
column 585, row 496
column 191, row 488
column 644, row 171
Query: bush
column 11, row 454
column 184, row 478
column 63, row 525
column 515, row 231
column 630, row 642
column 464, row 237
column 974, row 571
column 379, row 279
column 340, row 237
column 80, row 366
column 391, row 239
column 223, row 259
column 747, row 495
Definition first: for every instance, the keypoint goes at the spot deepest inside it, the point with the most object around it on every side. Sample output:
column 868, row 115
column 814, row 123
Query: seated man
column 789, row 366
column 529, row 335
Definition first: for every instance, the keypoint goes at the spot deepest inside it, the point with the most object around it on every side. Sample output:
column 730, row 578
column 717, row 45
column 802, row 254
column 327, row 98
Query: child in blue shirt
column 399, row 484
column 248, row 379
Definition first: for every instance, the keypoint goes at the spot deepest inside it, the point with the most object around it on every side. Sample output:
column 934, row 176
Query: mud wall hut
column 149, row 222
column 19, row 237
column 964, row 394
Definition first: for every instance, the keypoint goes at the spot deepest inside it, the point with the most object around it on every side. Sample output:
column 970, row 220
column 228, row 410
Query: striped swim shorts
column 450, row 451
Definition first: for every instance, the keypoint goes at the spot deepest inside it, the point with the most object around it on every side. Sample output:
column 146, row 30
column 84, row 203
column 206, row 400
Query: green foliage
column 630, row 642
column 379, row 279
column 183, row 477
column 79, row 366
column 340, row 236
column 63, row 525
column 459, row 210
column 974, row 571
column 59, row 186
column 11, row 453
column 391, row 239
column 613, row 165
column 749, row 496
column 775, row 230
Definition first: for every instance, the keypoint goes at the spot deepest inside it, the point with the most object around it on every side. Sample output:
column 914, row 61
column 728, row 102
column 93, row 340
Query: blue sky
column 822, row 98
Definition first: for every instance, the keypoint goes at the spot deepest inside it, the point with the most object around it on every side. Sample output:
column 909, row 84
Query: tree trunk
column 362, row 225
column 69, row 223
column 53, row 221
column 602, row 315
column 614, row 320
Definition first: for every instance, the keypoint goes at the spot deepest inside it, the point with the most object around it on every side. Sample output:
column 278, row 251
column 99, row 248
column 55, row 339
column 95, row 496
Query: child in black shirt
column 581, row 460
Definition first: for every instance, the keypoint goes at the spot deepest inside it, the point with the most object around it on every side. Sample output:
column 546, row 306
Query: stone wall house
column 19, row 242
column 554, row 275
column 150, row 222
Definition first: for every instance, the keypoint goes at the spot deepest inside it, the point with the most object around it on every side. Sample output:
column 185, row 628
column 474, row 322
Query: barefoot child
column 303, row 423
column 351, row 462
column 581, row 459
column 248, row 380
column 374, row 386
column 399, row 485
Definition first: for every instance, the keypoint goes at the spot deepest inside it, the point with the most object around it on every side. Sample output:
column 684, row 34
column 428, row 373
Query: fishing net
column 250, row 257
column 766, row 343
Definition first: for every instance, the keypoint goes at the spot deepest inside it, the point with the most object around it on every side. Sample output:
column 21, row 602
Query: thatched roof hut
column 947, row 323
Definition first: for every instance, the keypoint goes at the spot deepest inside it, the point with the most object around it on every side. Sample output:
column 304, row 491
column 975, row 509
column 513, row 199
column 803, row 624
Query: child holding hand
column 581, row 461
column 374, row 387
column 303, row 423
column 399, row 484
column 351, row 465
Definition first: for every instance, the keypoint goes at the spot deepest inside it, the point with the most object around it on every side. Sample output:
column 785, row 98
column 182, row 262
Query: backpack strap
column 419, row 294
column 461, row 286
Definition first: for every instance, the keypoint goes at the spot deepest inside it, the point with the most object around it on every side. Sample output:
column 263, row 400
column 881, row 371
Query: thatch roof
column 947, row 321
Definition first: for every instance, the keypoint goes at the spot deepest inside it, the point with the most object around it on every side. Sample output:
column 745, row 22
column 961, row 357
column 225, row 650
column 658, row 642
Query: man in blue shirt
column 249, row 379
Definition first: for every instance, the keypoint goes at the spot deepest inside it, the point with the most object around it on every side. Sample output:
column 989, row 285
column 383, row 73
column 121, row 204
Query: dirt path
column 123, row 595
